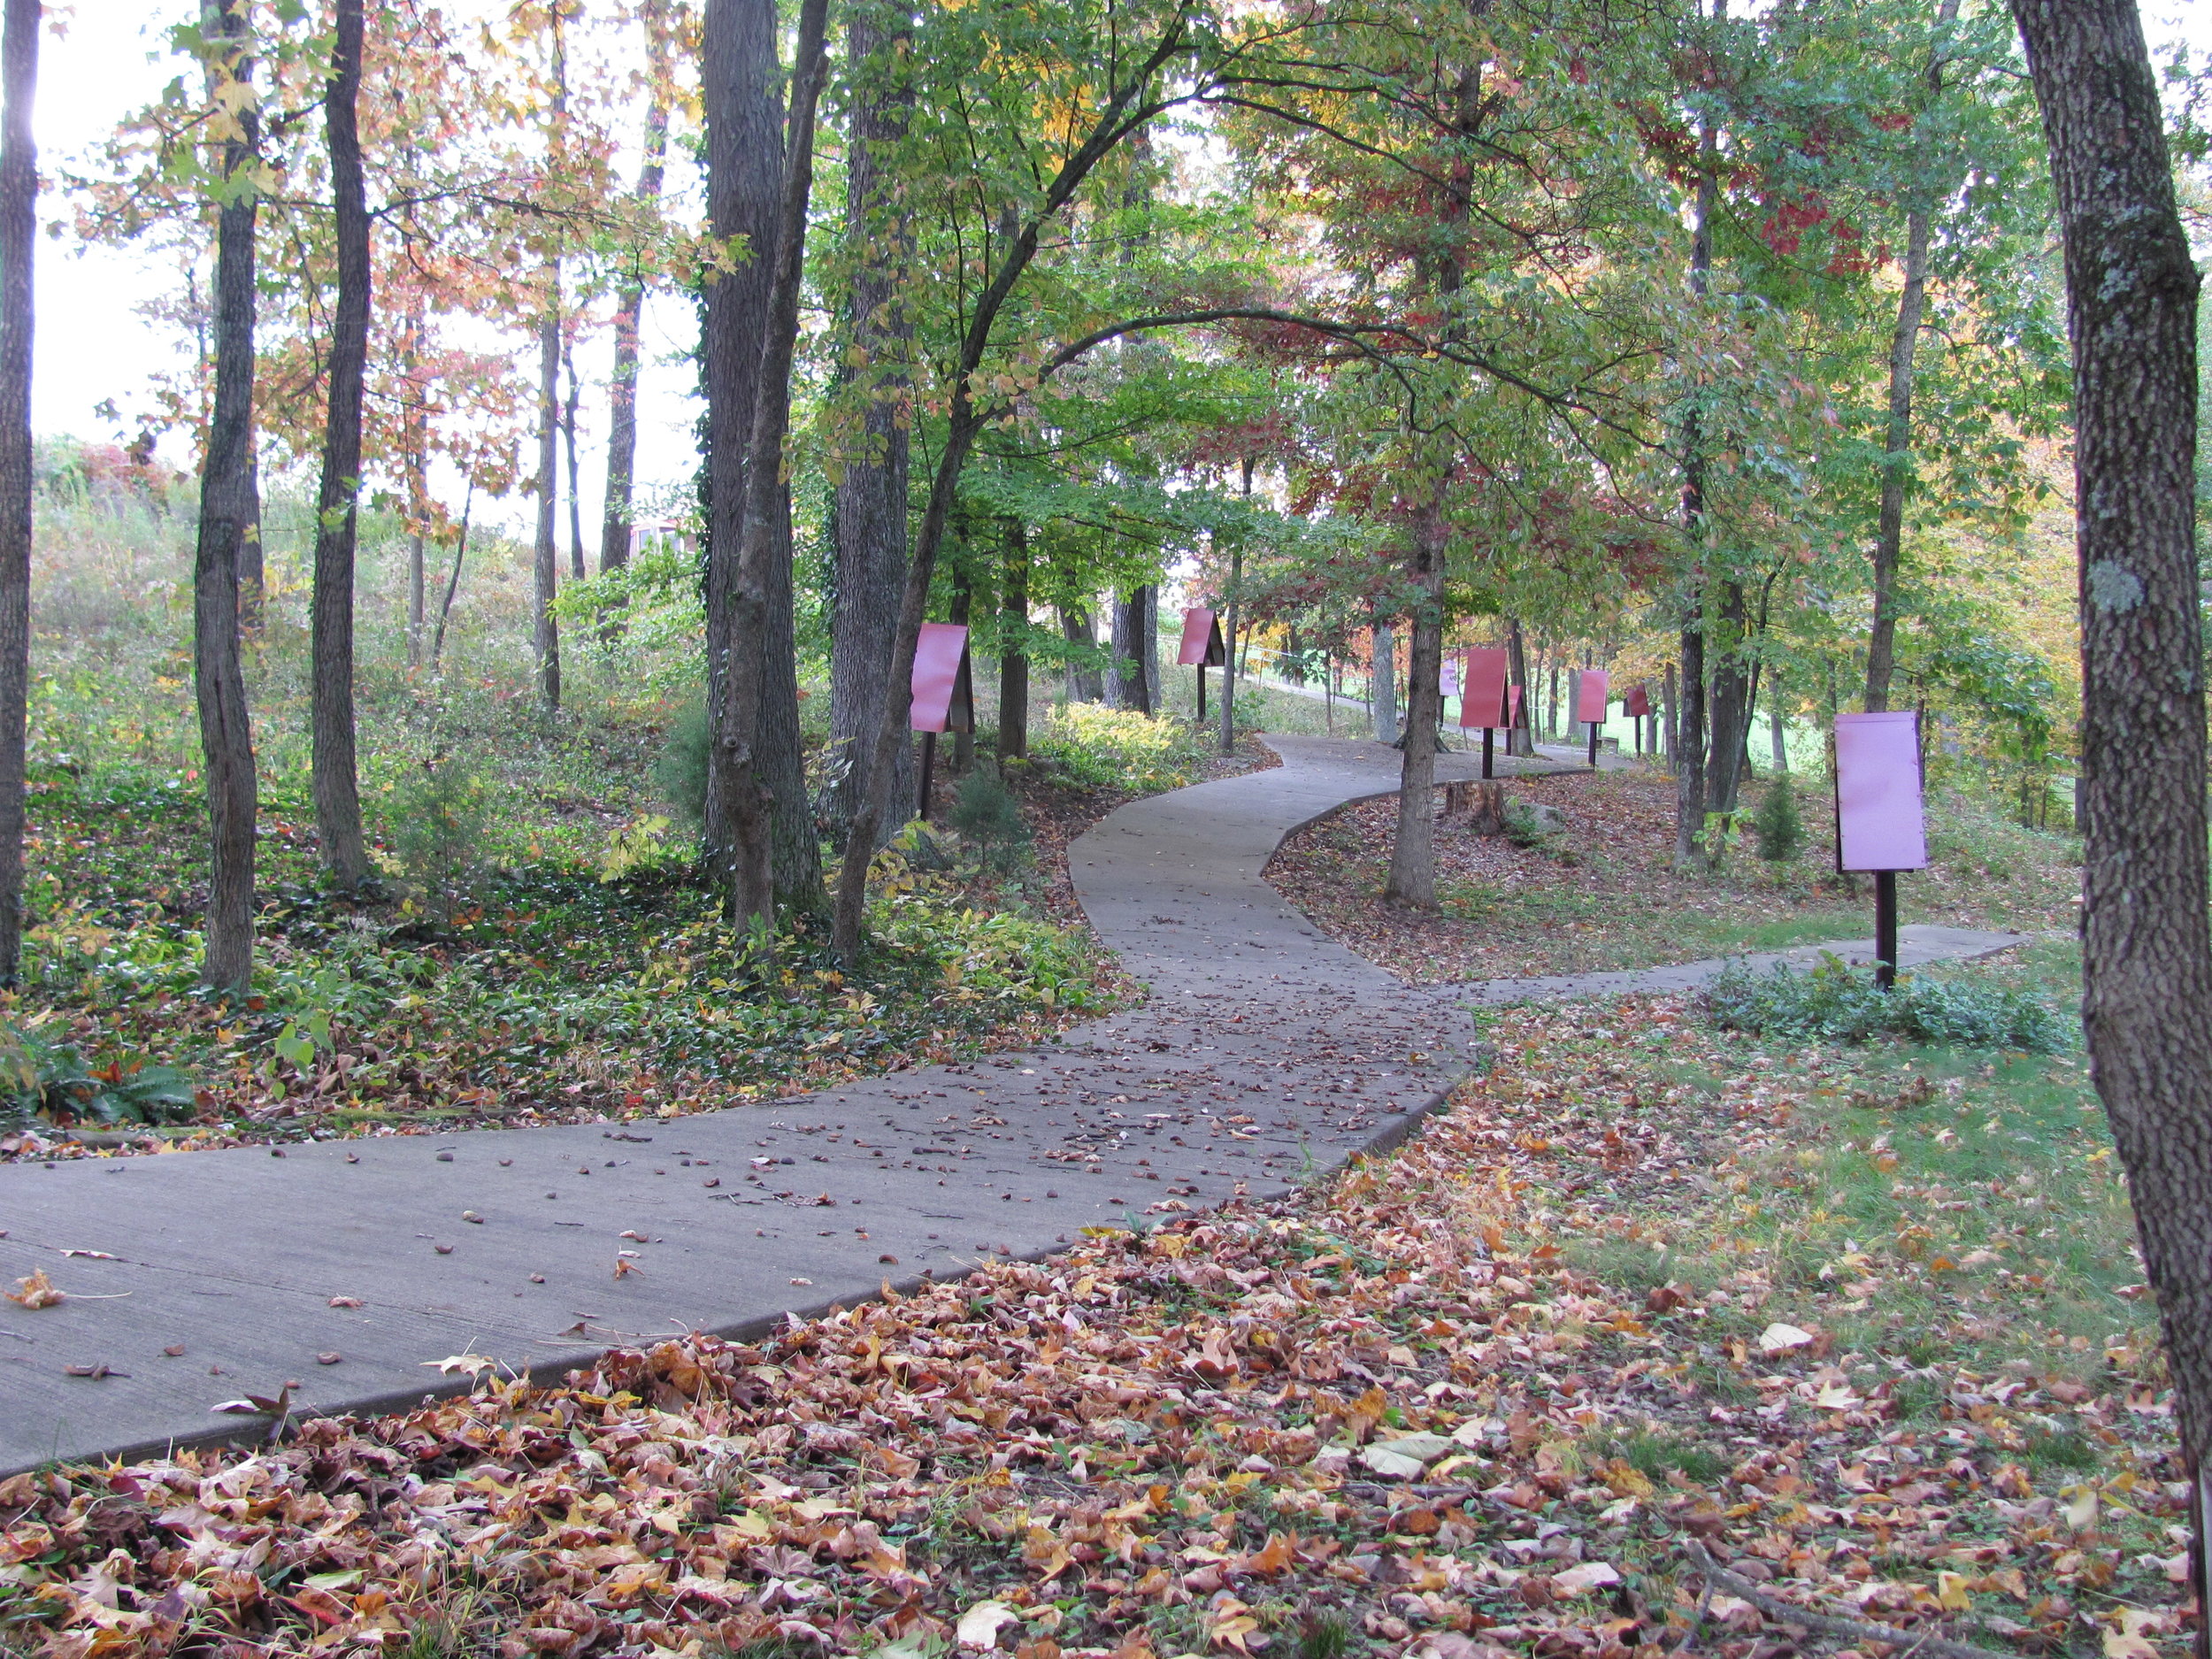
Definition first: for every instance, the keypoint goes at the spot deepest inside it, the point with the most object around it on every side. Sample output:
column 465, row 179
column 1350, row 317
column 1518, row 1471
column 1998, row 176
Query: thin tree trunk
column 1689, row 721
column 1897, row 468
column 1148, row 649
column 871, row 500
column 963, row 600
column 1667, row 714
column 18, row 229
column 227, row 509
column 2147, row 950
column 1778, row 739
column 453, row 581
column 1412, row 879
column 629, row 306
column 1013, row 651
column 1382, row 681
column 545, row 564
column 1731, row 710
column 1084, row 685
column 336, row 781
column 743, row 719
column 1519, row 740
column 576, row 569
column 1236, row 590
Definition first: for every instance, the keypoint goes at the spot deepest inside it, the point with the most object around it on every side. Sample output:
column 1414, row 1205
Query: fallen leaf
column 980, row 1625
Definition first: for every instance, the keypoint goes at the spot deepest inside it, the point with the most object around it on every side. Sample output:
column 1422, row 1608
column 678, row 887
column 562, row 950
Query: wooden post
column 1202, row 694
column 1486, row 751
column 1593, row 746
column 1886, row 929
column 929, row 771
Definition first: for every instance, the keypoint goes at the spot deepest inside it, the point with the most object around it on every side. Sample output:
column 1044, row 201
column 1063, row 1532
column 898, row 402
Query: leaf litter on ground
column 1410, row 1412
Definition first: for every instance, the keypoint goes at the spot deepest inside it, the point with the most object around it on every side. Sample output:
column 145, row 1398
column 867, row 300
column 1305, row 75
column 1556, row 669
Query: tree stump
column 1486, row 809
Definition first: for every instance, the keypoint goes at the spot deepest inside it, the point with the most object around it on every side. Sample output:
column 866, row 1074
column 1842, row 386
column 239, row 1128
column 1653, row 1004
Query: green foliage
column 1836, row 1001
column 56, row 1083
column 1781, row 832
column 679, row 771
column 434, row 823
column 1100, row 748
column 986, row 812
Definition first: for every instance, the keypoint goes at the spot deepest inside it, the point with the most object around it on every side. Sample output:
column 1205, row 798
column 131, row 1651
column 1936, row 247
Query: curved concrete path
column 1265, row 1051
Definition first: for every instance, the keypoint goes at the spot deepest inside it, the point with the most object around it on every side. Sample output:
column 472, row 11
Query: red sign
column 943, row 700
column 1878, row 821
column 1590, row 696
column 1513, row 707
column 1636, row 703
column 1482, row 703
column 1202, row 639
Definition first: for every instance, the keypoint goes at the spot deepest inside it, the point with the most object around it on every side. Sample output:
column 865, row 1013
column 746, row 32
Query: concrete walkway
column 352, row 1269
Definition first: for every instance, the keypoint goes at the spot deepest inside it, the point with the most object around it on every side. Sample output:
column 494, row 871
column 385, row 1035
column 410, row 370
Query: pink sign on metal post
column 1590, row 697
column 1513, row 707
column 1636, row 701
column 1483, row 703
column 1201, row 640
column 1878, row 821
column 942, row 700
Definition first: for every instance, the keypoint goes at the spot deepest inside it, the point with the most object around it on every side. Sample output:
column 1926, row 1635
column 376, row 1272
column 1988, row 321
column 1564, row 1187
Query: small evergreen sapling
column 1781, row 832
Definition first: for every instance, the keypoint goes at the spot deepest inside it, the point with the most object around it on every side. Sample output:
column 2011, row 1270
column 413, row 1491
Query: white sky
column 93, row 347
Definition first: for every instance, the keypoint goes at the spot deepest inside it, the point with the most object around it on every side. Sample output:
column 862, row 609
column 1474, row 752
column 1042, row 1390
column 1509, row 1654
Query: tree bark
column 872, row 489
column 336, row 782
column 1730, row 713
column 19, row 229
column 1229, row 639
column 577, row 570
column 1084, row 683
column 227, row 508
column 1897, row 468
column 545, row 562
column 1125, row 676
column 252, row 568
column 743, row 720
column 2146, row 949
column 1518, row 739
column 1013, row 651
column 453, row 581
column 1688, row 726
column 1382, row 681
column 1412, row 879
column 629, row 305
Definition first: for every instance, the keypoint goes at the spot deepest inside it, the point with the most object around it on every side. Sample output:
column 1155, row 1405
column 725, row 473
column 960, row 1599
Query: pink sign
column 1590, row 696
column 1513, row 707
column 1202, row 639
column 1483, row 703
column 943, row 700
column 1637, row 700
column 1879, row 821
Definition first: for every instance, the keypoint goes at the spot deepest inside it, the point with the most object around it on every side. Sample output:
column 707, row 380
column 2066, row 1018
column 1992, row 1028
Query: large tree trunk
column 629, row 302
column 335, row 783
column 1013, row 651
column 1412, row 879
column 872, row 489
column 545, row 560
column 742, row 722
column 1085, row 684
column 227, row 508
column 18, row 229
column 1731, row 711
column 1125, row 675
column 1521, row 740
column 740, row 85
column 1382, row 681
column 1897, row 469
column 2146, row 949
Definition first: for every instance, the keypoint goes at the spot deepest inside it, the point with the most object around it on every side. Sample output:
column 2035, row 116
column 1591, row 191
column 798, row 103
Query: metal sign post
column 1482, row 701
column 1590, row 701
column 942, row 695
column 1202, row 648
column 1636, row 703
column 1881, row 825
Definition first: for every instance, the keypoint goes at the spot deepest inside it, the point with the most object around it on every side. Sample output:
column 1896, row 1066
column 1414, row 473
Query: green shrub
column 1099, row 748
column 1781, row 832
column 679, row 771
column 986, row 813
column 437, row 822
column 56, row 1083
column 1836, row 1001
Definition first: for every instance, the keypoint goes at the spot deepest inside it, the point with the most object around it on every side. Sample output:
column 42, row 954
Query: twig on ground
column 1789, row 1613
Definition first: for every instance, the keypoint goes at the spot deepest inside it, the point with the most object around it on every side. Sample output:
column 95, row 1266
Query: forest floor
column 1603, row 892
column 568, row 975
column 1860, row 1326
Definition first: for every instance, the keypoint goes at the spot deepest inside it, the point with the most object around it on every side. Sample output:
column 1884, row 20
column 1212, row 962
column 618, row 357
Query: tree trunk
column 1689, row 722
column 1897, row 468
column 227, row 509
column 18, row 229
column 336, row 781
column 871, row 506
column 1731, row 710
column 1084, row 682
column 1126, row 679
column 962, row 601
column 1667, row 714
column 1013, row 650
column 1382, row 681
column 1519, row 740
column 2147, row 950
column 1779, row 739
column 252, row 568
column 577, row 570
column 744, row 722
column 545, row 564
column 453, row 581
column 1148, row 649
column 629, row 304
column 1412, row 879
column 1229, row 640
